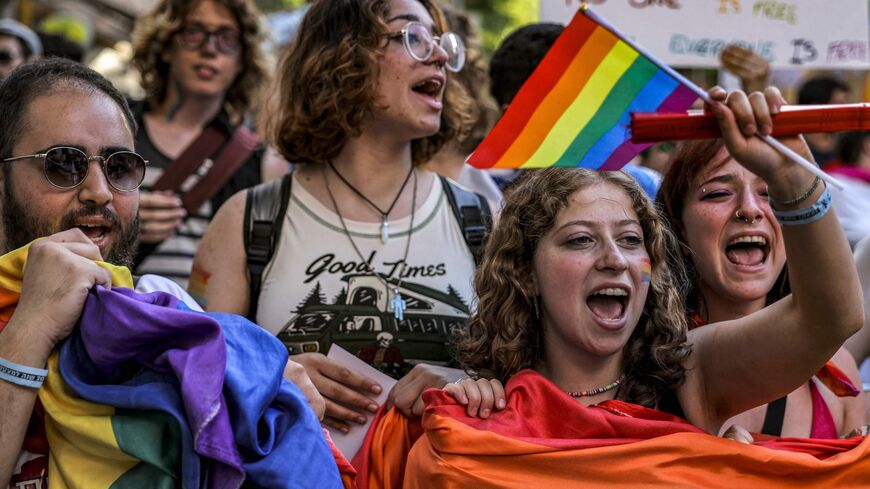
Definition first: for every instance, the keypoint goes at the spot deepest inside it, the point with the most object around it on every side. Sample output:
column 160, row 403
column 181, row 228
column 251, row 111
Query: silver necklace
column 398, row 303
column 385, row 224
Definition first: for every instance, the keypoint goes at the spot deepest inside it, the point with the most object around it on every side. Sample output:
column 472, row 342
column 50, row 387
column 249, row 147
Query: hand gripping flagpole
column 785, row 150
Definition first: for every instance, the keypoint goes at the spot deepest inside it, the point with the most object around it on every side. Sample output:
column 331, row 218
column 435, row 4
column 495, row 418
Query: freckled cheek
column 705, row 226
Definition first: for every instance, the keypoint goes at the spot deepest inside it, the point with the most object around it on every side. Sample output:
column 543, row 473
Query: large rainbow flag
column 544, row 438
column 147, row 393
column 575, row 109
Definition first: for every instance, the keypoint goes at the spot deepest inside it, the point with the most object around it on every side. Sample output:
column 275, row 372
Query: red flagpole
column 648, row 127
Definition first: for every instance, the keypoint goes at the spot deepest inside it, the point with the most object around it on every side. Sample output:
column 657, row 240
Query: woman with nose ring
column 743, row 218
column 733, row 246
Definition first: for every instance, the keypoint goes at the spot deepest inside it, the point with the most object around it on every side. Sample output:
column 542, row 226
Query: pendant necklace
column 385, row 224
column 398, row 303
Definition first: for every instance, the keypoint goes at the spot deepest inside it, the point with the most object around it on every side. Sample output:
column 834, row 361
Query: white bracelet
column 22, row 374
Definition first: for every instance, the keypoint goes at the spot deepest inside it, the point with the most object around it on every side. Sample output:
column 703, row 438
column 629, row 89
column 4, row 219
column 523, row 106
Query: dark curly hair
column 154, row 32
column 688, row 163
column 504, row 335
column 327, row 80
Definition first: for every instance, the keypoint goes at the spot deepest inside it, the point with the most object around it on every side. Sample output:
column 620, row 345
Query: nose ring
column 743, row 218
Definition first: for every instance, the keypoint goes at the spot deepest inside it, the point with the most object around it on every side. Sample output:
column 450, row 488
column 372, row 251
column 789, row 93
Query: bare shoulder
column 224, row 233
column 231, row 213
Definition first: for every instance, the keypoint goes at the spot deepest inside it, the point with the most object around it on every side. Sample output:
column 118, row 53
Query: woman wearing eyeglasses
column 370, row 255
column 202, row 68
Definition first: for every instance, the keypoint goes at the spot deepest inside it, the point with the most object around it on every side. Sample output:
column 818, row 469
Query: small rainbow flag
column 575, row 109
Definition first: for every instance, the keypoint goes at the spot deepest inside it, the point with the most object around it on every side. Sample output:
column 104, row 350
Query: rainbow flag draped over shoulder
column 147, row 393
column 575, row 109
column 544, row 438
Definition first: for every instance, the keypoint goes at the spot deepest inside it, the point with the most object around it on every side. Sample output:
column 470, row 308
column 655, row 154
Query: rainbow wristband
column 807, row 215
column 22, row 374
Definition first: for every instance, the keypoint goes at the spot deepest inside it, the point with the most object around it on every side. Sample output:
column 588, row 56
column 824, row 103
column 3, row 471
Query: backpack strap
column 473, row 214
column 265, row 207
column 231, row 157
column 774, row 416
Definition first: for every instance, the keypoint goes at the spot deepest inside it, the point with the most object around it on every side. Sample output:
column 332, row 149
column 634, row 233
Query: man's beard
column 21, row 228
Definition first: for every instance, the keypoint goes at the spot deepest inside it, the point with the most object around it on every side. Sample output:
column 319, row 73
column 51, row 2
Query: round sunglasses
column 66, row 168
column 195, row 36
column 420, row 44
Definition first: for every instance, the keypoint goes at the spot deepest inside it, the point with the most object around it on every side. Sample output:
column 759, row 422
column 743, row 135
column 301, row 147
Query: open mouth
column 93, row 232
column 747, row 250
column 430, row 87
column 608, row 303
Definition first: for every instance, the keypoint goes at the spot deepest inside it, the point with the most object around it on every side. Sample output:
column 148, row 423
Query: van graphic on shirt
column 362, row 321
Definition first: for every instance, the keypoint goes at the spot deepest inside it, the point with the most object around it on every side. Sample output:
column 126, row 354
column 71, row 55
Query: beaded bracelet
column 807, row 215
column 22, row 374
column 804, row 196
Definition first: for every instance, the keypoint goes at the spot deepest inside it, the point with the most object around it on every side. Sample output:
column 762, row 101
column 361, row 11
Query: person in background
column 18, row 44
column 733, row 245
column 823, row 90
column 658, row 156
column 59, row 46
column 859, row 344
column 474, row 79
column 202, row 69
column 752, row 69
column 852, row 169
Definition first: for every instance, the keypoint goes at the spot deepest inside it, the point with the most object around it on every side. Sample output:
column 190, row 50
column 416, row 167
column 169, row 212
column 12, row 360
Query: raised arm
column 219, row 279
column 741, row 364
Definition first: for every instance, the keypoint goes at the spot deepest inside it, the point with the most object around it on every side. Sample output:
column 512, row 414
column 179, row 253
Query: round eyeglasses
column 420, row 44
column 67, row 168
column 195, row 36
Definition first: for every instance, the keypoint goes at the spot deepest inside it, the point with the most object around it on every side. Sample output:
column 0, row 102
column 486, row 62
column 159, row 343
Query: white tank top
column 317, row 290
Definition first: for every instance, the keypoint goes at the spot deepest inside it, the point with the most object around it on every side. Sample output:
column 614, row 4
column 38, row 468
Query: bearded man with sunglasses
column 68, row 173
column 202, row 69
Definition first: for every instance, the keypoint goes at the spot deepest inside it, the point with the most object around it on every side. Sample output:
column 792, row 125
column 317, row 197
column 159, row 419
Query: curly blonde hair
column 504, row 336
column 153, row 35
column 327, row 80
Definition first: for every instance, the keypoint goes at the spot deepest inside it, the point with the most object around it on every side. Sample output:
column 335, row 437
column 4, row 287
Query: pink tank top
column 823, row 423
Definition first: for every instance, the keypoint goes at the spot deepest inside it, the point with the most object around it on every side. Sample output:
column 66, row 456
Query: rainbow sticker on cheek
column 645, row 271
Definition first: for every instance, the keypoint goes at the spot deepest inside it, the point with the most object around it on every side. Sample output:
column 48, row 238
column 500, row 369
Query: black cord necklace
column 385, row 224
column 397, row 302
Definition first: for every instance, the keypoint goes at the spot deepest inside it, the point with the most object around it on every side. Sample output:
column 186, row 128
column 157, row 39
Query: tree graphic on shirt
column 341, row 298
column 455, row 294
column 315, row 298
